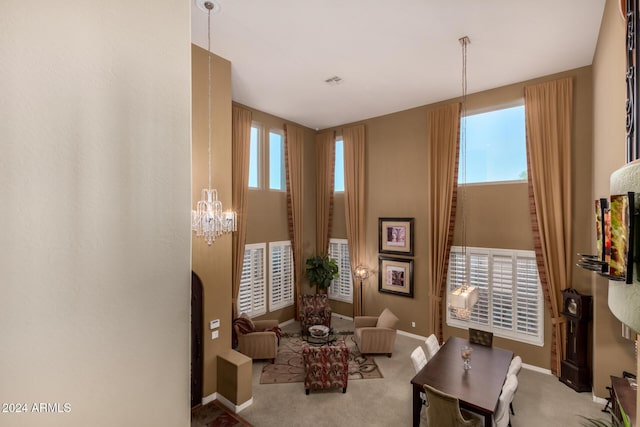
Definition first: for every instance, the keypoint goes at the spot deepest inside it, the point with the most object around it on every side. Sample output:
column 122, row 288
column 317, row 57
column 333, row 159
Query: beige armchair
column 261, row 343
column 376, row 334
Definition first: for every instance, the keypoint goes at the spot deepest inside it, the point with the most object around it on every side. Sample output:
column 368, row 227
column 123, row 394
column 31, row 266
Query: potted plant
column 321, row 270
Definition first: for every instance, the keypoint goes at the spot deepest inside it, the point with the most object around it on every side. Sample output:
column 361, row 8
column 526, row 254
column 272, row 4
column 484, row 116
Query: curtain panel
column 443, row 141
column 549, row 113
column 354, row 191
column 240, row 140
column 325, row 169
column 294, row 165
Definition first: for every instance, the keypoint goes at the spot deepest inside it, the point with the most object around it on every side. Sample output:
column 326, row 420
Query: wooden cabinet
column 623, row 400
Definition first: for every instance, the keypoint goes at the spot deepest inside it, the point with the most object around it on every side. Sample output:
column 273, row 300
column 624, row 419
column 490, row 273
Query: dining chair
column 419, row 360
column 514, row 369
column 477, row 336
column 432, row 346
column 501, row 416
column 443, row 410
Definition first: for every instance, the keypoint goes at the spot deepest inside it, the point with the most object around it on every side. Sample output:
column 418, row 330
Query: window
column 341, row 289
column 496, row 147
column 338, row 174
column 510, row 303
column 281, row 277
column 252, row 298
column 254, row 156
column 276, row 161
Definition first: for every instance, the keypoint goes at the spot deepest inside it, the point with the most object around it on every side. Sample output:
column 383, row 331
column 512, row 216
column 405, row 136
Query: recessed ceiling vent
column 333, row 81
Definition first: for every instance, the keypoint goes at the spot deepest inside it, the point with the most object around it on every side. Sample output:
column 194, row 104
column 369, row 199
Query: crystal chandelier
column 464, row 297
column 208, row 220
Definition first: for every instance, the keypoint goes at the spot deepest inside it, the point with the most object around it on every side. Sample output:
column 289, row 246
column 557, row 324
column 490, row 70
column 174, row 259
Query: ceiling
column 391, row 55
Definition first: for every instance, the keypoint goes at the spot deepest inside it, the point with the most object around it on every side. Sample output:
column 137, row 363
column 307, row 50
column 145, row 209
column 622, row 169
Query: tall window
column 254, row 156
column 281, row 275
column 338, row 177
column 252, row 297
column 496, row 147
column 341, row 288
column 510, row 303
column 276, row 161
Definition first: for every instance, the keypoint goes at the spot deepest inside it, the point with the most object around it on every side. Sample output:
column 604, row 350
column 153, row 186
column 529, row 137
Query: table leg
column 417, row 406
column 487, row 420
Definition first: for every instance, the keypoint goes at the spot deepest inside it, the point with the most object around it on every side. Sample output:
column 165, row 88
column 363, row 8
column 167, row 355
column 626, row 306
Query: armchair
column 314, row 310
column 376, row 334
column 326, row 366
column 257, row 339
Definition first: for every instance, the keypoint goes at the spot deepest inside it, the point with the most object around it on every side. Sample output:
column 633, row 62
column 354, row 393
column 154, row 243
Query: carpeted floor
column 288, row 368
column 214, row 414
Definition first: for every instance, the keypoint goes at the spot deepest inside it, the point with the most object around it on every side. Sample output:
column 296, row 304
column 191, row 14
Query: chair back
column 314, row 310
column 418, row 358
column 443, row 410
column 432, row 346
column 501, row 417
column 484, row 338
column 515, row 366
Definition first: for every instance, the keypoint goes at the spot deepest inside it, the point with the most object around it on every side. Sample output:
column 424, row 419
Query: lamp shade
column 464, row 297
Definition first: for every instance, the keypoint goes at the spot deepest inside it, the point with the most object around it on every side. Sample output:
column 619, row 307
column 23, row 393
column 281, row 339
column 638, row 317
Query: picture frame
column 395, row 276
column 395, row 236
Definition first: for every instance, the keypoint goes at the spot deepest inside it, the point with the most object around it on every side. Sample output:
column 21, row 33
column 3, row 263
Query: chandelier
column 464, row 297
column 208, row 220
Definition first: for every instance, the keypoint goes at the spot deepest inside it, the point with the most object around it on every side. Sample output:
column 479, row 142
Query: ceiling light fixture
column 464, row 297
column 208, row 220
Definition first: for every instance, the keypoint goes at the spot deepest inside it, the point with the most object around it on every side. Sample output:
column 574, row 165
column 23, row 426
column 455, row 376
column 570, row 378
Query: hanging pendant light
column 464, row 297
column 208, row 220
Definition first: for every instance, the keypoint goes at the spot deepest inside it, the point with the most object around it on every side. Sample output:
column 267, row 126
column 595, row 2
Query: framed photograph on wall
column 395, row 236
column 395, row 276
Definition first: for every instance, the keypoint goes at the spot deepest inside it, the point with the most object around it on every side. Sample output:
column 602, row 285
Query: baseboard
column 287, row 322
column 233, row 407
column 410, row 335
column 599, row 400
column 537, row 369
column 341, row 316
column 210, row 398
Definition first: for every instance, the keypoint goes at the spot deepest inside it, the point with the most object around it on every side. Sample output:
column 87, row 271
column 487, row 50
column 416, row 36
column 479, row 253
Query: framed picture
column 395, row 276
column 395, row 236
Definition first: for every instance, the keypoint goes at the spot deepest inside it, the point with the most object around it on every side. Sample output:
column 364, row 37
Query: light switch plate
column 214, row 335
column 214, row 324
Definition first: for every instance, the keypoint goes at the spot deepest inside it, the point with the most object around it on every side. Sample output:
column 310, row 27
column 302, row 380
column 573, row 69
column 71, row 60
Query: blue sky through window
column 253, row 158
column 276, row 162
column 338, row 178
column 496, row 149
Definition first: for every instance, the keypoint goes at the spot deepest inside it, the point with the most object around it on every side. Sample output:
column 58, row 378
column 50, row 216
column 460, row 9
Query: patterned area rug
column 214, row 414
column 288, row 368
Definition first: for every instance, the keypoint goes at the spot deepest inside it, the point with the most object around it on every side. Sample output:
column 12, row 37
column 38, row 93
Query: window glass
column 276, row 161
column 254, row 155
column 510, row 302
column 496, row 147
column 338, row 178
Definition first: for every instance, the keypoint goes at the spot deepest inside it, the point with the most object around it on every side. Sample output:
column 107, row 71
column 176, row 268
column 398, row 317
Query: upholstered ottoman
column 325, row 366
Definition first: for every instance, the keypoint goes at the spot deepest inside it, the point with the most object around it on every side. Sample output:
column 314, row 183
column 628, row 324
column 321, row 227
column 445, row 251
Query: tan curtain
column 294, row 162
column 549, row 112
column 325, row 166
column 443, row 141
column 354, row 180
column 240, row 139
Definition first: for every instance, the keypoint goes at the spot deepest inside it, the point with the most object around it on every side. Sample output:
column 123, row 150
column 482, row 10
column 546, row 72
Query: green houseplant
column 321, row 270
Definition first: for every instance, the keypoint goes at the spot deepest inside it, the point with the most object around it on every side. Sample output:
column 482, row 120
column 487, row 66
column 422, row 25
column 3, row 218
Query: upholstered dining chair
column 443, row 410
column 432, row 346
column 501, row 416
column 477, row 336
column 514, row 369
column 419, row 360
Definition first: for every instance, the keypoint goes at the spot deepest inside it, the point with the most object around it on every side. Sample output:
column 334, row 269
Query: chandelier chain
column 209, row 9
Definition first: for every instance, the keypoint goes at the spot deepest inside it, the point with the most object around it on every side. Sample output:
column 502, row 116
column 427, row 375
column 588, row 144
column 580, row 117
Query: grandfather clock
column 574, row 370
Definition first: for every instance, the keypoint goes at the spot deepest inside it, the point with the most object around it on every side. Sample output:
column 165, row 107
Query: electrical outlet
column 214, row 335
column 214, row 324
column 413, row 324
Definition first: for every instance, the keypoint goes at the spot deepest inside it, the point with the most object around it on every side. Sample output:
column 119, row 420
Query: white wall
column 94, row 211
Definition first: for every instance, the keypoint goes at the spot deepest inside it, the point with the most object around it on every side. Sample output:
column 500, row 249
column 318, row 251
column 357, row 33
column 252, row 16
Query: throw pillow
column 245, row 324
column 387, row 320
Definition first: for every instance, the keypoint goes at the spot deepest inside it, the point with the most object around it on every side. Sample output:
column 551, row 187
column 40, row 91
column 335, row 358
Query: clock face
column 572, row 307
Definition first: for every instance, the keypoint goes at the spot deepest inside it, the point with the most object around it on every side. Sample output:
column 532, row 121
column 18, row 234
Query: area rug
column 288, row 367
column 214, row 414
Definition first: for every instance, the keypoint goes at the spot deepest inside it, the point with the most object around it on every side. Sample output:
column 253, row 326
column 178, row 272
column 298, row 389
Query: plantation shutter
column 502, row 273
column 479, row 277
column 281, row 277
column 342, row 287
column 252, row 293
column 527, row 295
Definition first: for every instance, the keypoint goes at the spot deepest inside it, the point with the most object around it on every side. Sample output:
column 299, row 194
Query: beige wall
column 95, row 194
column 612, row 353
column 212, row 263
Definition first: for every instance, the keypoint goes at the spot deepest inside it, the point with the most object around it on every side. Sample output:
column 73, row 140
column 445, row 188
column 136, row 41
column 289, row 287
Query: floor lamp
column 361, row 273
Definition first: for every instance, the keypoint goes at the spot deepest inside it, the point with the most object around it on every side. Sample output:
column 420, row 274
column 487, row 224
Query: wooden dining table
column 478, row 389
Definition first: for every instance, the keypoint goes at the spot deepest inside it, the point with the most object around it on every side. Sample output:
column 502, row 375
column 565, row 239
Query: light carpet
column 288, row 367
